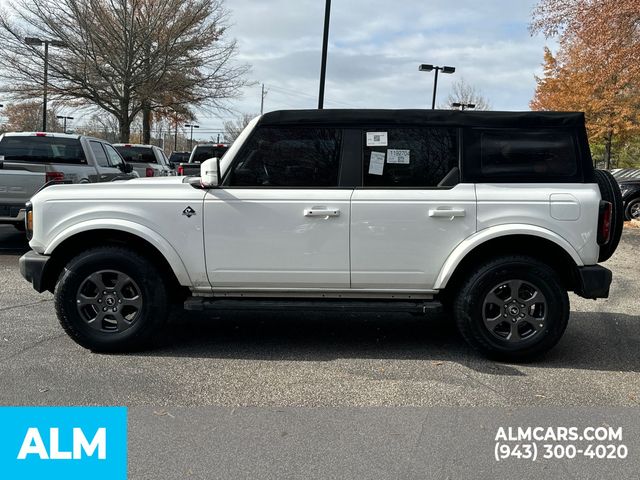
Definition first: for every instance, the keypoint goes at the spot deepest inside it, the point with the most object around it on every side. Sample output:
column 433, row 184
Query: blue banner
column 63, row 442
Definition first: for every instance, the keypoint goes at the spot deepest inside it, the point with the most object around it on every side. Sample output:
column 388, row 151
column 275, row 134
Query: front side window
column 98, row 152
column 289, row 157
column 409, row 157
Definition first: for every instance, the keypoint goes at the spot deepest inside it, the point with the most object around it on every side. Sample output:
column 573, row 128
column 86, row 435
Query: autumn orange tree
column 596, row 68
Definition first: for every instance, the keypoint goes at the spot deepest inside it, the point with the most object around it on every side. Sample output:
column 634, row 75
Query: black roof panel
column 423, row 117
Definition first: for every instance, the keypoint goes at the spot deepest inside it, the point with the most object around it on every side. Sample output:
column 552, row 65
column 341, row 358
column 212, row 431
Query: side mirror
column 172, row 165
column 209, row 171
column 126, row 167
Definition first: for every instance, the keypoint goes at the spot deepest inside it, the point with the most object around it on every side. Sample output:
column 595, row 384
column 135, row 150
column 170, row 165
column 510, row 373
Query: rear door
column 411, row 211
column 280, row 221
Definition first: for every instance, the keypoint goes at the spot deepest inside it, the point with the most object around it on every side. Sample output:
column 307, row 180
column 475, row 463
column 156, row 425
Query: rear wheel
column 111, row 299
column 512, row 308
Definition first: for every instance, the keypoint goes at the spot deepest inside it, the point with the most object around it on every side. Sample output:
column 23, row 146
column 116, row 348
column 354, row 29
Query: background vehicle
column 146, row 160
column 369, row 210
column 30, row 160
column 177, row 158
column 631, row 198
column 199, row 154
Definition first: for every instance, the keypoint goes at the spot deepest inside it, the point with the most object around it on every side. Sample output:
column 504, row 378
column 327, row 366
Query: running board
column 306, row 305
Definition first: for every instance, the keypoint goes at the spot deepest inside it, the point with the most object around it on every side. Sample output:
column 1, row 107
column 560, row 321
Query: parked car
column 146, row 160
column 177, row 158
column 630, row 190
column 363, row 210
column 199, row 154
column 30, row 160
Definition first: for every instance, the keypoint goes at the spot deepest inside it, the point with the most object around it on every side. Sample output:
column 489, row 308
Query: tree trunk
column 146, row 123
column 607, row 150
column 124, row 127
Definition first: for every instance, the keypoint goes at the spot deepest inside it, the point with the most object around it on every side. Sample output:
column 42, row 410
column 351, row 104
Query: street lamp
column 463, row 106
column 427, row 68
column 62, row 117
column 36, row 42
column 192, row 126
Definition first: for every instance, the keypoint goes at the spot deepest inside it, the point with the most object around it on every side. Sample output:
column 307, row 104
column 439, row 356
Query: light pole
column 427, row 68
column 192, row 126
column 463, row 106
column 325, row 46
column 64, row 119
column 36, row 42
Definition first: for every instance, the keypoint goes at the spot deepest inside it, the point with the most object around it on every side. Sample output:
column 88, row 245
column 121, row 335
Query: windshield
column 42, row 149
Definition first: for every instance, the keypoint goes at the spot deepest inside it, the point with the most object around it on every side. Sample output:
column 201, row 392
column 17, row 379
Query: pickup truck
column 344, row 210
column 146, row 160
column 30, row 160
column 199, row 154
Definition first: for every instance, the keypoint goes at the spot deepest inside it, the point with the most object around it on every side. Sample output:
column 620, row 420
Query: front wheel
column 512, row 308
column 111, row 299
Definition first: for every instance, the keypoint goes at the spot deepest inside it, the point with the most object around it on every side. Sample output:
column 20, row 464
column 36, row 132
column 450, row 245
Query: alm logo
column 63, row 442
column 34, row 445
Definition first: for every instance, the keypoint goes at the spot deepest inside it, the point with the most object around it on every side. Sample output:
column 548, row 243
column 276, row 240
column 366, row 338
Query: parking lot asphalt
column 318, row 359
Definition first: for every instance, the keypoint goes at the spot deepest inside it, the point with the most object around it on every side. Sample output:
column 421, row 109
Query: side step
column 309, row 305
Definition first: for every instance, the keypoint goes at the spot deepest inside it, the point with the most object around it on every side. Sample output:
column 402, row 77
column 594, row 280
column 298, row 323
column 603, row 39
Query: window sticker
column 377, row 139
column 398, row 156
column 376, row 164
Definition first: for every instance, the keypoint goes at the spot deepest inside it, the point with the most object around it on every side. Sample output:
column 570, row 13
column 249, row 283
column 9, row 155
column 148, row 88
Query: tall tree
column 233, row 128
column 125, row 56
column 27, row 117
column 596, row 68
column 465, row 93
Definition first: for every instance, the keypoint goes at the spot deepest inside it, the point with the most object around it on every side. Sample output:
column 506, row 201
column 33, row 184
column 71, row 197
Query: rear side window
column 42, row 149
column 289, row 157
column 409, row 157
column 522, row 155
column 137, row 154
column 98, row 152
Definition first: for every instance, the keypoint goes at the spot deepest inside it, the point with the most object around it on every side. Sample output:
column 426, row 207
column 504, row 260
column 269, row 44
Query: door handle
column 447, row 212
column 321, row 212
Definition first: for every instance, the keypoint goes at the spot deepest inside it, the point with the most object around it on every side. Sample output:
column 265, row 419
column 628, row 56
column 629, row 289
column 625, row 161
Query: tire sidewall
column 151, row 315
column 544, row 281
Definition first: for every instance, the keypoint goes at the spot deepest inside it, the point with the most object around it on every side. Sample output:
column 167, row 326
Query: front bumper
column 32, row 267
column 593, row 282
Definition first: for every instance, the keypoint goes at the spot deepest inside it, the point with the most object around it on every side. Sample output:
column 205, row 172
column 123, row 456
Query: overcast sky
column 375, row 48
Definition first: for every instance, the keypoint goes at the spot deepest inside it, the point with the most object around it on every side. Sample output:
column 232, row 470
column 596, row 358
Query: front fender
column 154, row 238
column 482, row 236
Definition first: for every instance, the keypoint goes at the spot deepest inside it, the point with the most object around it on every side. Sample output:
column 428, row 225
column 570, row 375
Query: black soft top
column 454, row 118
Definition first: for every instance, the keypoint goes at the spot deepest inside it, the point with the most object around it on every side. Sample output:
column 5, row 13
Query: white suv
column 493, row 215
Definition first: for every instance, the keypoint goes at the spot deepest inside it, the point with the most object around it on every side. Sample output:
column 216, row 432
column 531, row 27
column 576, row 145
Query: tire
column 610, row 192
column 633, row 209
column 119, row 280
column 540, row 320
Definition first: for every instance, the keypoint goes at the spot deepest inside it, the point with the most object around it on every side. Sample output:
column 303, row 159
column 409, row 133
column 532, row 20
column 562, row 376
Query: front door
column 411, row 211
column 280, row 221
